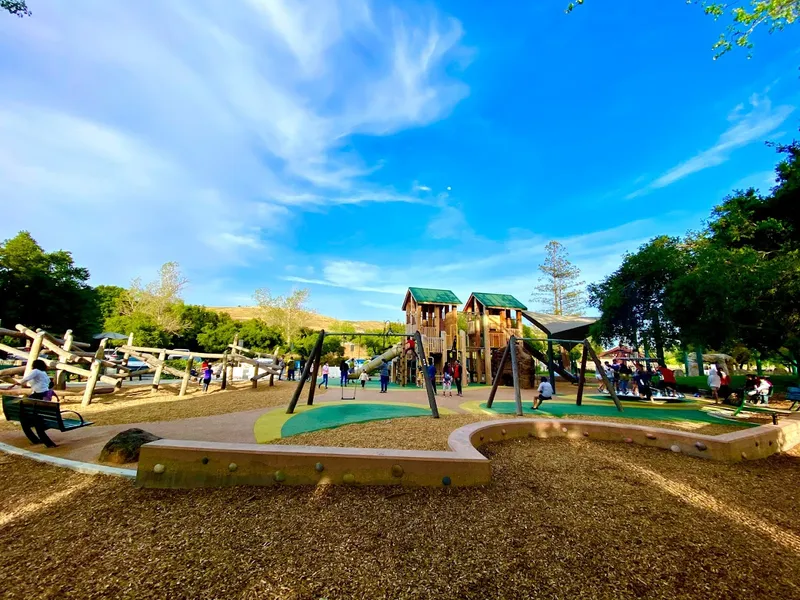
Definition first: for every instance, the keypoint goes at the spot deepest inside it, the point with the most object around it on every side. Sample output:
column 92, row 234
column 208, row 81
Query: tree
column 108, row 301
column 307, row 338
column 158, row 300
column 194, row 320
column 379, row 344
column 44, row 289
column 288, row 313
column 633, row 300
column 559, row 290
column 15, row 7
column 776, row 14
column 257, row 335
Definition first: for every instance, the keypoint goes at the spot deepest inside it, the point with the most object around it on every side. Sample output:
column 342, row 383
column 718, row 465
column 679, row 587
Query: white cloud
column 421, row 188
column 191, row 136
column 748, row 127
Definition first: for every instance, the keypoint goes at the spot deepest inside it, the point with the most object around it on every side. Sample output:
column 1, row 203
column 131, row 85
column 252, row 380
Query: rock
column 124, row 447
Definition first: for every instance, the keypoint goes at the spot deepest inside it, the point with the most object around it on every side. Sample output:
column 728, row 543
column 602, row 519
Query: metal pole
column 512, row 343
column 426, row 376
column 496, row 380
column 550, row 365
column 306, row 368
column 582, row 375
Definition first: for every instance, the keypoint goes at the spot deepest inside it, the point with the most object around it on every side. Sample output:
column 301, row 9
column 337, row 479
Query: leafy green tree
column 744, row 20
column 559, row 289
column 146, row 332
column 45, row 289
column 307, row 338
column 633, row 300
column 15, row 7
column 259, row 336
column 288, row 313
column 194, row 320
column 378, row 344
column 108, row 299
column 158, row 301
column 215, row 337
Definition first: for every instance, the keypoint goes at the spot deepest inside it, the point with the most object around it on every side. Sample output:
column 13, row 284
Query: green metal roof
column 498, row 300
column 432, row 296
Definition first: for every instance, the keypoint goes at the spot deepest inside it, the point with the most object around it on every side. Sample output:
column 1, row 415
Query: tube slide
column 376, row 362
column 542, row 357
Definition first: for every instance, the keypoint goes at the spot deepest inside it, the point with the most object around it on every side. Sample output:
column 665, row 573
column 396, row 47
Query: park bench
column 771, row 411
column 40, row 415
column 793, row 394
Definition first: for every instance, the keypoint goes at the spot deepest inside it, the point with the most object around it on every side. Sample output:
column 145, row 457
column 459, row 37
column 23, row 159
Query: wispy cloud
column 217, row 118
column 751, row 126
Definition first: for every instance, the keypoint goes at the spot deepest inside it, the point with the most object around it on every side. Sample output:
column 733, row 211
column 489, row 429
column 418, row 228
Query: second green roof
column 498, row 300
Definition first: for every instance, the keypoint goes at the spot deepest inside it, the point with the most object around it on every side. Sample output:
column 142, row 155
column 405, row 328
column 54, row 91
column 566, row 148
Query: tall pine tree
column 560, row 290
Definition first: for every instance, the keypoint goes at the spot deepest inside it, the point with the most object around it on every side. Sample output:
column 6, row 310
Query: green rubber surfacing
column 328, row 417
column 564, row 409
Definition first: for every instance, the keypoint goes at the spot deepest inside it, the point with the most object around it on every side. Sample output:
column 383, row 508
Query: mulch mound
column 563, row 519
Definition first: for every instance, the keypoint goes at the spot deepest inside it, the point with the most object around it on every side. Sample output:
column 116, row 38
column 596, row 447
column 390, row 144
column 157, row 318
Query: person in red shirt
column 457, row 376
column 410, row 346
column 668, row 383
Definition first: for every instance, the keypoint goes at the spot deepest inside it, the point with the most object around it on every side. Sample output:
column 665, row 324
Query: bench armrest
column 74, row 413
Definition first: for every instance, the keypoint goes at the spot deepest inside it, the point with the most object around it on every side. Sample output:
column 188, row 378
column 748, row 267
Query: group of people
column 638, row 380
column 757, row 390
column 451, row 372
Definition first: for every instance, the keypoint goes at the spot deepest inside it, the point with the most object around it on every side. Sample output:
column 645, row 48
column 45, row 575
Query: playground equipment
column 235, row 354
column 511, row 350
column 70, row 357
column 312, row 368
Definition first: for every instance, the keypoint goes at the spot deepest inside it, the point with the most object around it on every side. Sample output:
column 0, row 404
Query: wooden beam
column 94, row 374
column 426, row 376
column 304, row 375
column 582, row 376
column 487, row 352
column 598, row 365
column 186, row 375
column 512, row 343
column 497, row 377
column 162, row 356
column 36, row 347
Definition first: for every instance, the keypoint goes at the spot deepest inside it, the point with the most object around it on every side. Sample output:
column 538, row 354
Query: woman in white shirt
column 37, row 379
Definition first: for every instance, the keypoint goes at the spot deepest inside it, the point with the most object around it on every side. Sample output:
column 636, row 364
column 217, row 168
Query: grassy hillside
column 241, row 313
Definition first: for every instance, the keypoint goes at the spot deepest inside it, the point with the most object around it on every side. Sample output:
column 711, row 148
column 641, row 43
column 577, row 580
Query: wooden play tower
column 491, row 320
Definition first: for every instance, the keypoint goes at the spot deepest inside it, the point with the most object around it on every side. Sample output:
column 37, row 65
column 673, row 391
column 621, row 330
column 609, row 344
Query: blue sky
column 357, row 148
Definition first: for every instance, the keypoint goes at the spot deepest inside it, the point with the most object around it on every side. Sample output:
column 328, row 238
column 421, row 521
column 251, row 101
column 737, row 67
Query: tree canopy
column 775, row 15
column 45, row 289
column 15, row 7
column 287, row 313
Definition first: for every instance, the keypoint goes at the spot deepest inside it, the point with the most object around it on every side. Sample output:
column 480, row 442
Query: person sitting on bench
column 545, row 393
column 37, row 379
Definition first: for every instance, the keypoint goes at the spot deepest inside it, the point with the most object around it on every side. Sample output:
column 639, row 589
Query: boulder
column 124, row 447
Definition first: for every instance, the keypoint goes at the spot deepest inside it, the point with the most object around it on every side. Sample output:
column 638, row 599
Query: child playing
column 207, row 373
column 363, row 378
column 51, row 393
column 447, row 381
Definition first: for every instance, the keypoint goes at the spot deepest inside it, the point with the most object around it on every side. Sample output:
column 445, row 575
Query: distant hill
column 242, row 313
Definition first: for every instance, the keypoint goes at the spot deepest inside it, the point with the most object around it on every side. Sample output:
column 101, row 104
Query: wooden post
column 186, row 375
column 462, row 357
column 271, row 379
column 550, row 365
column 94, row 373
column 497, row 377
column 317, row 359
column 598, row 365
column 512, row 343
column 162, row 356
column 224, row 370
column 255, row 375
column 127, row 355
column 582, row 374
column 487, row 352
column 426, row 376
column 235, row 343
column 61, row 375
column 304, row 375
column 33, row 353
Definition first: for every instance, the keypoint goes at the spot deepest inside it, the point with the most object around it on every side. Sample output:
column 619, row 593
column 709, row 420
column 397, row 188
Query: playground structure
column 489, row 327
column 513, row 349
column 311, row 368
column 69, row 357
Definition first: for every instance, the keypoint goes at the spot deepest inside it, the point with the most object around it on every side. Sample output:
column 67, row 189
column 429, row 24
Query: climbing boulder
column 124, row 447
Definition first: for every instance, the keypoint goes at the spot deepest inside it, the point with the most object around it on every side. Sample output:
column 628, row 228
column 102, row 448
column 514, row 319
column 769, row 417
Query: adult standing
column 384, row 377
column 290, row 370
column 344, row 368
column 325, row 371
column 714, row 382
column 457, row 371
column 432, row 373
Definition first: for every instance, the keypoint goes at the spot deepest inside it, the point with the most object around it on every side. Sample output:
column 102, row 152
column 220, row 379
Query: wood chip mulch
column 563, row 519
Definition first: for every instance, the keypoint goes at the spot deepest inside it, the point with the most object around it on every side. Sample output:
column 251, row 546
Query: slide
column 542, row 357
column 376, row 362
